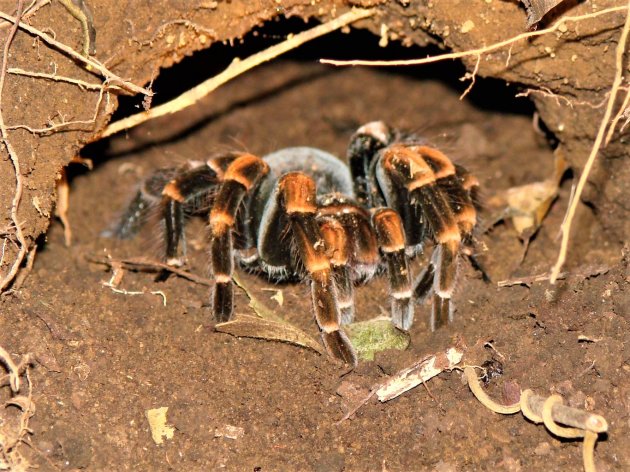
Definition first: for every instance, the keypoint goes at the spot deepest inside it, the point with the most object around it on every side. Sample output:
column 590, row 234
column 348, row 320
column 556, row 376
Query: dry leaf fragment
column 537, row 9
column 528, row 204
column 255, row 304
column 248, row 326
column 157, row 425
column 278, row 296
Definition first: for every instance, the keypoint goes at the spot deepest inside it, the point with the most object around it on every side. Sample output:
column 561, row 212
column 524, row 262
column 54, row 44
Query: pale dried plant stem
column 565, row 228
column 90, row 63
column 235, row 69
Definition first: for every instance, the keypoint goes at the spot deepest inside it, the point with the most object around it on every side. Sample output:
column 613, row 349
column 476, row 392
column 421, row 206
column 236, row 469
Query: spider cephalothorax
column 302, row 213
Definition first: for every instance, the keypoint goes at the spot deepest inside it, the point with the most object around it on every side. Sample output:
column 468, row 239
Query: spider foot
column 338, row 345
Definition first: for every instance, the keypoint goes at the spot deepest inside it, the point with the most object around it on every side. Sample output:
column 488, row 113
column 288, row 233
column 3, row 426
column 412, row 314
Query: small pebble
column 542, row 449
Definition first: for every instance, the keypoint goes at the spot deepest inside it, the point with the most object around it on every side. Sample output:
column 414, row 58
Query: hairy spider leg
column 459, row 197
column 406, row 165
column 461, row 190
column 297, row 192
column 147, row 198
column 364, row 146
column 337, row 248
column 180, row 190
column 239, row 178
column 361, row 247
column 391, row 241
column 470, row 184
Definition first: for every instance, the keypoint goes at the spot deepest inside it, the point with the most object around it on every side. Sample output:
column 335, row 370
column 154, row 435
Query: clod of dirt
column 376, row 335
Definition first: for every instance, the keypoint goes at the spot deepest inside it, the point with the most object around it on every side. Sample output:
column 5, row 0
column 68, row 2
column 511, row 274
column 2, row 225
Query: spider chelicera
column 302, row 213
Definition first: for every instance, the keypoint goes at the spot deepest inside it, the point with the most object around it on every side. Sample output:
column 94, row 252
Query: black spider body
column 263, row 221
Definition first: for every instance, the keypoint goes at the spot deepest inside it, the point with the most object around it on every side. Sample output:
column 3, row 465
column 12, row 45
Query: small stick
column 528, row 280
column 143, row 264
column 356, row 407
column 418, row 373
column 235, row 69
column 406, row 379
column 123, row 291
column 585, row 273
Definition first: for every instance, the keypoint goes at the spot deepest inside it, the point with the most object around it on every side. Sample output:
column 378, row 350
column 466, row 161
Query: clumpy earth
column 104, row 358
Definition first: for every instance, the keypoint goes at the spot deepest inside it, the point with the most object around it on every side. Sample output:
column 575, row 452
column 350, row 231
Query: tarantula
column 302, row 213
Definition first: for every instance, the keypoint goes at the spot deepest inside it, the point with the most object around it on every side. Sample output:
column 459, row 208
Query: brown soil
column 103, row 358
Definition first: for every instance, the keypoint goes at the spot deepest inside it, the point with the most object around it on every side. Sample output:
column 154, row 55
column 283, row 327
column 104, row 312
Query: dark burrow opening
column 295, row 100
column 487, row 94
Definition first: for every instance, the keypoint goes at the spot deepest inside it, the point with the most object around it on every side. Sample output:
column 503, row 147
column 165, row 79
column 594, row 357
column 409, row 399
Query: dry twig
column 60, row 78
column 143, row 264
column 410, row 377
column 116, row 278
column 235, row 69
column 588, row 271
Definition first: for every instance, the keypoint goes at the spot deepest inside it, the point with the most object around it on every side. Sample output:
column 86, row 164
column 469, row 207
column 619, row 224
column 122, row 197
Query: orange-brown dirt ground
column 102, row 359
